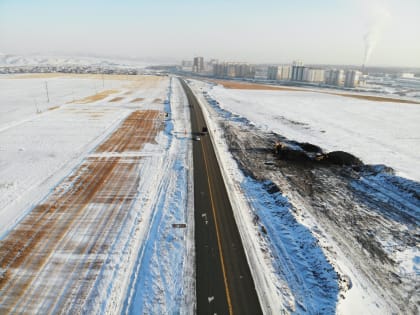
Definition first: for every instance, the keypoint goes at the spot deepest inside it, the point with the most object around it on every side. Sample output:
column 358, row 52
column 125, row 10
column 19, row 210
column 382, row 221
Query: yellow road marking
column 217, row 235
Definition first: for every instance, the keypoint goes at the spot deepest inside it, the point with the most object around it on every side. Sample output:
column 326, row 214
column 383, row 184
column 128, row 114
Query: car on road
column 196, row 138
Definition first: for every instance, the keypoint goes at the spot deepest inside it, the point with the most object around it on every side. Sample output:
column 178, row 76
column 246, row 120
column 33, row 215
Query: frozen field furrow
column 52, row 258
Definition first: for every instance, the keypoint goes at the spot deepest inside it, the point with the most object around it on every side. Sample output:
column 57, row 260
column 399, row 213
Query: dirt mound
column 310, row 147
column 304, row 152
column 291, row 152
column 341, row 158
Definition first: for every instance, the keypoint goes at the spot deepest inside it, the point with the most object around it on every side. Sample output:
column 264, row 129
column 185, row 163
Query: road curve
column 224, row 281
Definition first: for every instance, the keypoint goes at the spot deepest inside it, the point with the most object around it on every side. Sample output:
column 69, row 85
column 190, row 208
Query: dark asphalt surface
column 224, row 281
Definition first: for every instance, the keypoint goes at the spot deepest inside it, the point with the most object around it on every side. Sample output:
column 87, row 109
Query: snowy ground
column 39, row 148
column 43, row 154
column 23, row 97
column 310, row 220
column 163, row 281
column 376, row 132
column 9, row 60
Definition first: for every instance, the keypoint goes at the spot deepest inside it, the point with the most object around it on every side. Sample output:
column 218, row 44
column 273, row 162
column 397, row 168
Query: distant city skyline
column 374, row 32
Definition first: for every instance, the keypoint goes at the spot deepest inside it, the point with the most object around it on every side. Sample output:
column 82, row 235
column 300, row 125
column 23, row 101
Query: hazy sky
column 316, row 31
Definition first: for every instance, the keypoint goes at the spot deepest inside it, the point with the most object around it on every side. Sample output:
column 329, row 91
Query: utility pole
column 36, row 107
column 46, row 89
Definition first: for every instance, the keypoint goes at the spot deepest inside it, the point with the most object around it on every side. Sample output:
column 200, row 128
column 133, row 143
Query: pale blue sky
column 316, row 31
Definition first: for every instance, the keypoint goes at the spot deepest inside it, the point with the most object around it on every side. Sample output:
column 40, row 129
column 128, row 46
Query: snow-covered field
column 47, row 153
column 149, row 265
column 294, row 241
column 23, row 96
column 39, row 147
column 376, row 132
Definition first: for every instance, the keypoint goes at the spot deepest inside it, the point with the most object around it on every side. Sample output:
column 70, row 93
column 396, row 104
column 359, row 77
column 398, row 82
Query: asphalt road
column 224, row 281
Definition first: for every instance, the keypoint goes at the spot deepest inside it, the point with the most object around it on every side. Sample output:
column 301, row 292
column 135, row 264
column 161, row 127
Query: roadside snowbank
column 163, row 278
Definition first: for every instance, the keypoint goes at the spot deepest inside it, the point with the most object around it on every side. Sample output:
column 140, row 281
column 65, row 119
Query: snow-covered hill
column 38, row 60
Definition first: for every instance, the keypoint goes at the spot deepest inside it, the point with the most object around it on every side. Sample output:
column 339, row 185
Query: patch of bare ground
column 95, row 97
column 136, row 100
column 375, row 98
column 253, row 86
column 53, row 257
column 96, row 115
column 139, row 128
column 116, row 99
column 144, row 82
column 157, row 101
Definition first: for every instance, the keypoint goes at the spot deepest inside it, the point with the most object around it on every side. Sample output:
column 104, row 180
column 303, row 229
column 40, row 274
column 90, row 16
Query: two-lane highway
column 224, row 281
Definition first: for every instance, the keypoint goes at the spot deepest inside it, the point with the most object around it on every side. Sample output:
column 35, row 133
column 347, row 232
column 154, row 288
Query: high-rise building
column 186, row 65
column 233, row 70
column 297, row 73
column 208, row 66
column 219, row 70
column 297, row 70
column 313, row 75
column 198, row 64
column 286, row 73
column 352, row 78
column 261, row 72
column 279, row 72
column 272, row 72
column 298, row 63
column 335, row 77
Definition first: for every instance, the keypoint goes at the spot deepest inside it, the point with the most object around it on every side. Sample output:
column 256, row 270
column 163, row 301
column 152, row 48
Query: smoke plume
column 378, row 18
